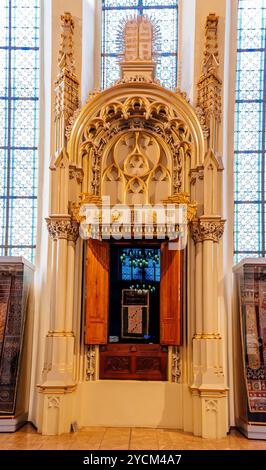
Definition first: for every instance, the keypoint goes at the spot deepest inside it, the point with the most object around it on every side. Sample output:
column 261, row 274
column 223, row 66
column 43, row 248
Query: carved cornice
column 60, row 334
column 62, row 227
column 207, row 336
column 56, row 389
column 207, row 229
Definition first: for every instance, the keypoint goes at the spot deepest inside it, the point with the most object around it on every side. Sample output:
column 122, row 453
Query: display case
column 16, row 325
column 249, row 333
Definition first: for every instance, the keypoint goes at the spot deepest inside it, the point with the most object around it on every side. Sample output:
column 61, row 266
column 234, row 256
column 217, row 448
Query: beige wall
column 130, row 403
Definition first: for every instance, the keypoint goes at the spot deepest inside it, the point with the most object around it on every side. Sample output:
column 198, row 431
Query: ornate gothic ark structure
column 138, row 143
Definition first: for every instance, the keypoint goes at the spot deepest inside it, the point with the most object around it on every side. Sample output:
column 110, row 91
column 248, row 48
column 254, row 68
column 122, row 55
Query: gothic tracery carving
column 139, row 114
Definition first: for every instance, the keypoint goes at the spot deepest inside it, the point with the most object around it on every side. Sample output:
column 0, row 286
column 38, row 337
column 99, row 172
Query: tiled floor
column 124, row 438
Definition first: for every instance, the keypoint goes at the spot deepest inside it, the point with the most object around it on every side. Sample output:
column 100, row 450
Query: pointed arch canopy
column 152, row 102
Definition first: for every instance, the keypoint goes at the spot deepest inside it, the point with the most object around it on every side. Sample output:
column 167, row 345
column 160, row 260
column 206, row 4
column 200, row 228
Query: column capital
column 62, row 227
column 207, row 228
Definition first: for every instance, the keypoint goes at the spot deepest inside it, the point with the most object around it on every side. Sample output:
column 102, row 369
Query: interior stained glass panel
column 120, row 3
column 19, row 108
column 247, row 171
column 250, row 130
column 163, row 13
column 248, row 221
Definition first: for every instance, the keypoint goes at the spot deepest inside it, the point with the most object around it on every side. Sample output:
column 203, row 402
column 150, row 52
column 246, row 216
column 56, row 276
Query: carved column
column 57, row 384
column 209, row 388
column 58, row 373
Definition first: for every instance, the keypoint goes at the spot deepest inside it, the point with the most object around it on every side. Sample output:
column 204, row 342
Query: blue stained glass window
column 250, row 131
column 163, row 13
column 140, row 264
column 19, row 114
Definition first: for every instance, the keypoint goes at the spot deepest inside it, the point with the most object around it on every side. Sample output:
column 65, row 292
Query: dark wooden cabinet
column 133, row 362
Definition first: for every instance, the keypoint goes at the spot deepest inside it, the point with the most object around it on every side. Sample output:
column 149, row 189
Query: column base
column 56, row 409
column 210, row 412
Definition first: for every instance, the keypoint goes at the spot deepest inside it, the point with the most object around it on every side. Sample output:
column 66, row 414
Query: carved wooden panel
column 97, row 292
column 133, row 361
column 170, row 296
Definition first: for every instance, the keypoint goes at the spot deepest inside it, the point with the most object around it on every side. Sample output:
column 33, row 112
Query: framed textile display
column 135, row 314
column 250, row 347
column 253, row 335
column 16, row 275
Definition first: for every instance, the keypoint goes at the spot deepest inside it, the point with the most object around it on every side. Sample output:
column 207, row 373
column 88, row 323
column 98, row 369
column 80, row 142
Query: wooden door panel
column 97, row 292
column 133, row 362
column 170, row 296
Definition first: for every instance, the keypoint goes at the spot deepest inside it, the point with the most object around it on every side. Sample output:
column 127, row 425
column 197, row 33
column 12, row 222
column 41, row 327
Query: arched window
column 164, row 13
column 250, row 130
column 19, row 104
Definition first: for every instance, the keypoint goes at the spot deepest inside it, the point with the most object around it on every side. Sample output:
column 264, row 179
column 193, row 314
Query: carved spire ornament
column 209, row 102
column 66, row 85
column 65, row 60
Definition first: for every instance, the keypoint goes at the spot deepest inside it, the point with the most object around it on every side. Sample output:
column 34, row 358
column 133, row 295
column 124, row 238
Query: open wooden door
column 170, row 296
column 97, row 292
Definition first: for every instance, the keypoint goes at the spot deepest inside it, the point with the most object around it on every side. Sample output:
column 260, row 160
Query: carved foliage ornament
column 63, row 228
column 77, row 173
column 91, row 363
column 207, row 230
column 176, row 364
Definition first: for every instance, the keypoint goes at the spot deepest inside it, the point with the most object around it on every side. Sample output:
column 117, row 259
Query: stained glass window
column 19, row 104
column 250, row 130
column 163, row 13
column 140, row 264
